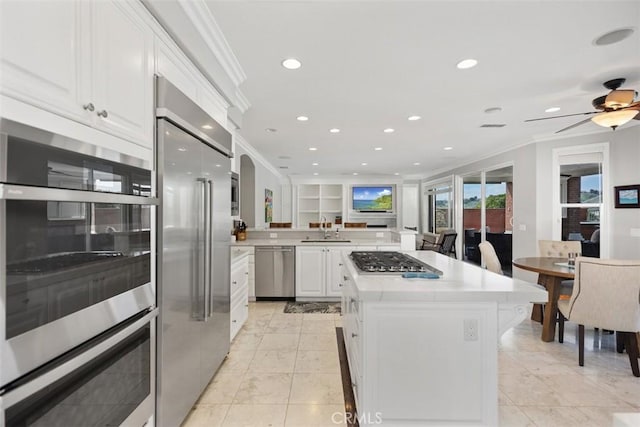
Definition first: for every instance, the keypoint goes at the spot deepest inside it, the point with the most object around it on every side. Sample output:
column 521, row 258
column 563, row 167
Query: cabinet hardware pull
column 345, row 278
column 246, row 305
column 340, row 284
column 353, row 335
column 103, row 114
column 234, row 282
column 234, row 321
column 89, row 107
column 340, row 264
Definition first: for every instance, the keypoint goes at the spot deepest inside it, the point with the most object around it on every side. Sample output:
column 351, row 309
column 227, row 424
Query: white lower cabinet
column 239, row 288
column 318, row 271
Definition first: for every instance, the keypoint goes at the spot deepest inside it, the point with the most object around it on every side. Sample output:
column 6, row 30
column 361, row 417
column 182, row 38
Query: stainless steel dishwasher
column 275, row 272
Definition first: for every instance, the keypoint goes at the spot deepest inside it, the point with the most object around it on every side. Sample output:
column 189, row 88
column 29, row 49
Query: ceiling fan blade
column 566, row 115
column 620, row 98
column 574, row 125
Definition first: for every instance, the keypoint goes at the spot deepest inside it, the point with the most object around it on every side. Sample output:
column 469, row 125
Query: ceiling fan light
column 614, row 119
column 619, row 98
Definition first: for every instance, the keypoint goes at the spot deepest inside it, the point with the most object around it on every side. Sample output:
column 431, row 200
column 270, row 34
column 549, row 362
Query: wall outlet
column 522, row 227
column 273, row 235
column 471, row 329
column 379, row 234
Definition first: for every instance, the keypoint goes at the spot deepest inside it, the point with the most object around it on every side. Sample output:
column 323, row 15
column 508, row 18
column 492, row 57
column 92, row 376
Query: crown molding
column 243, row 103
column 205, row 24
column 255, row 155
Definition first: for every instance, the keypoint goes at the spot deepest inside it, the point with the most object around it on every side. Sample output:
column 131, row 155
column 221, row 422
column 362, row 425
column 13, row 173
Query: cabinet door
column 310, row 272
column 122, row 83
column 334, row 270
column 40, row 55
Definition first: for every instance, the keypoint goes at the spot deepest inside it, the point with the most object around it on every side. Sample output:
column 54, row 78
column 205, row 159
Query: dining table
column 551, row 273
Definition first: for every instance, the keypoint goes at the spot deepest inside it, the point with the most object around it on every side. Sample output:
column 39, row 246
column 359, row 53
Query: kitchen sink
column 325, row 241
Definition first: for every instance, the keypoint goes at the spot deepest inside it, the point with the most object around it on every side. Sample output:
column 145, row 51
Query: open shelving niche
column 318, row 200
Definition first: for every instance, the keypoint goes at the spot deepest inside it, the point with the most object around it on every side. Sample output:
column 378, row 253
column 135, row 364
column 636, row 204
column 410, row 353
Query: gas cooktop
column 390, row 263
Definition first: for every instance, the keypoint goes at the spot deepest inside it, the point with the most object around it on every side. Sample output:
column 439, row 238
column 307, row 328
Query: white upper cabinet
column 122, row 65
column 40, row 55
column 88, row 61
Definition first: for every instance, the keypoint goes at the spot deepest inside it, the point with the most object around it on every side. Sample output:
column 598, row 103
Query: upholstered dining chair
column 446, row 243
column 606, row 294
column 558, row 248
column 490, row 257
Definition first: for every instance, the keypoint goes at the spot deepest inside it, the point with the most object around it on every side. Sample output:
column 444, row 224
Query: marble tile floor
column 283, row 370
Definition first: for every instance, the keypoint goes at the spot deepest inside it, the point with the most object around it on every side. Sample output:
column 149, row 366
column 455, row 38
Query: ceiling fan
column 614, row 109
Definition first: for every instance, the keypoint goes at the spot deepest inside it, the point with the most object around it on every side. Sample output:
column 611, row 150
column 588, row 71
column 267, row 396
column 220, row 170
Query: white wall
column 624, row 158
column 266, row 176
column 532, row 180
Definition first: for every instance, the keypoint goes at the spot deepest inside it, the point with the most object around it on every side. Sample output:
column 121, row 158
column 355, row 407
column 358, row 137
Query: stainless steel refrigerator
column 194, row 221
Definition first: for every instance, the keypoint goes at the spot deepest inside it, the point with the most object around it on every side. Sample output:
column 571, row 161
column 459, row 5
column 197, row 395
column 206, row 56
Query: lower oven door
column 109, row 382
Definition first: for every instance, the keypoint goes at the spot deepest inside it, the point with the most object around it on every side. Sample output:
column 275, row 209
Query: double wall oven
column 77, row 305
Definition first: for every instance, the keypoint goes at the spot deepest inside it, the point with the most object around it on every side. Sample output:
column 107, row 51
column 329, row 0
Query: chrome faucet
column 323, row 226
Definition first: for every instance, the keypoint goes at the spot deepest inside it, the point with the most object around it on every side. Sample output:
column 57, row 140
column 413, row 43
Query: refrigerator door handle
column 209, row 263
column 204, row 269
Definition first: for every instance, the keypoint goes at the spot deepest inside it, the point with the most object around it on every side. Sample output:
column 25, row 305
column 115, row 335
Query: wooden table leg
column 552, row 284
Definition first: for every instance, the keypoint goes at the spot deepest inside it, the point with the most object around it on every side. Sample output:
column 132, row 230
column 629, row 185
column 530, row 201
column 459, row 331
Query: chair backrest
column 558, row 248
column 448, row 238
column 320, row 224
column 355, row 225
column 490, row 257
column 279, row 225
column 606, row 294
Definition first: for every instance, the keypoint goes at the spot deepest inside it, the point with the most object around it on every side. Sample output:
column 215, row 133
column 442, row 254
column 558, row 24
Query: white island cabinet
column 425, row 351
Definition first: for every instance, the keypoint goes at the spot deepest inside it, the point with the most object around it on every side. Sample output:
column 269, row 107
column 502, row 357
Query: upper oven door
column 75, row 258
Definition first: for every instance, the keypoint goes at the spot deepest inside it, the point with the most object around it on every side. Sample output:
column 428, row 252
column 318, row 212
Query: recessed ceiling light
column 334, row 130
column 467, row 63
column 314, row 164
column 364, row 163
column 182, row 149
column 207, row 127
column 355, row 173
column 291, row 64
column 188, row 173
column 388, row 130
column 614, row 36
column 315, row 173
column 218, row 166
column 448, row 148
column 378, row 148
column 493, row 110
column 271, row 130
column 397, row 173
column 413, row 118
column 313, row 149
column 552, row 110
column 302, row 118
column 416, row 164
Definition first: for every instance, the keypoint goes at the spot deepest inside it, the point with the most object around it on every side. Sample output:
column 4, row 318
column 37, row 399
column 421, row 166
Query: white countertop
column 300, row 242
column 460, row 282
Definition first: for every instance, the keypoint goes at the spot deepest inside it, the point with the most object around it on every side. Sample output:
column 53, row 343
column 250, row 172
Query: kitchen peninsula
column 431, row 345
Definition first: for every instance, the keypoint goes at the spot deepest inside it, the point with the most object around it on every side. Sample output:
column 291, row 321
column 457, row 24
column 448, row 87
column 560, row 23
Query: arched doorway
column 247, row 191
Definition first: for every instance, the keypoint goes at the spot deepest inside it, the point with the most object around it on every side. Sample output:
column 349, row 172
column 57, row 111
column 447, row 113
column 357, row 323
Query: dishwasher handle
column 274, row 249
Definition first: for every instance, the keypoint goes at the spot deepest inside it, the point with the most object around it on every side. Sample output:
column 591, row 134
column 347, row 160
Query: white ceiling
column 368, row 65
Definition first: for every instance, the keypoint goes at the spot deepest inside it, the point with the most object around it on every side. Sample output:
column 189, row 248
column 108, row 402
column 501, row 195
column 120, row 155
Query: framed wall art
column 268, row 205
column 627, row 196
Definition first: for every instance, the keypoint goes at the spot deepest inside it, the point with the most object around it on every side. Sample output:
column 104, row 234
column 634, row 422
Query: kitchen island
column 424, row 351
